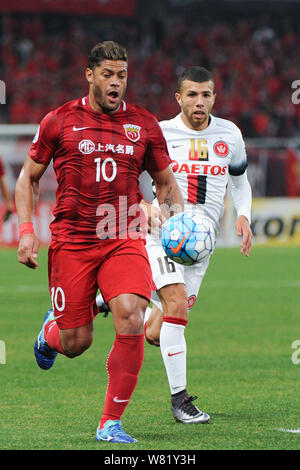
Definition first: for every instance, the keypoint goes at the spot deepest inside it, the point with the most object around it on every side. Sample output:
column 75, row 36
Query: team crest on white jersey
column 191, row 301
column 221, row 148
column 132, row 132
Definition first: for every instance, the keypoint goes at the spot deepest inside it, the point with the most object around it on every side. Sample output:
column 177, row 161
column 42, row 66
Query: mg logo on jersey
column 132, row 132
column 86, row 146
column 221, row 148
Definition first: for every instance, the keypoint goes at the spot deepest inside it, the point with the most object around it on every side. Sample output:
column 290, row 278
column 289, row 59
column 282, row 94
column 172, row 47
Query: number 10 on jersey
column 106, row 170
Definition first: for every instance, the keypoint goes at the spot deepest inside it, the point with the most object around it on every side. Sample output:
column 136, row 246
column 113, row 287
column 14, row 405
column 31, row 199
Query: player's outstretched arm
column 168, row 192
column 26, row 198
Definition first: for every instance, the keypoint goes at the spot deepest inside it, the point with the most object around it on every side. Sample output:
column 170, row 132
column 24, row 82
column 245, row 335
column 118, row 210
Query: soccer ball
column 188, row 238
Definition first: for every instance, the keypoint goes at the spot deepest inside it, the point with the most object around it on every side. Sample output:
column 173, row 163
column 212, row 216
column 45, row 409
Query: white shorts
column 165, row 272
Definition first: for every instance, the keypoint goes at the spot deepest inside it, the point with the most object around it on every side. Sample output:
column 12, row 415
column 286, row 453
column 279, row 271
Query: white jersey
column 202, row 162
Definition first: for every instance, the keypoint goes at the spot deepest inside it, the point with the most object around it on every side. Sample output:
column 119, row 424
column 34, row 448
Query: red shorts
column 77, row 270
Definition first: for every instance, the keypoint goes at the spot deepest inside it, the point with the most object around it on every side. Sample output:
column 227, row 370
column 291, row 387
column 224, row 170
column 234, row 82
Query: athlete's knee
column 132, row 319
column 152, row 327
column 76, row 348
column 174, row 300
column 151, row 337
column 181, row 306
column 128, row 312
column 177, row 307
column 74, row 345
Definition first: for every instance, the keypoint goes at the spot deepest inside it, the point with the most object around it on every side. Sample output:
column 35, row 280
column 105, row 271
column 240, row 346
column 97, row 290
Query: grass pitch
column 239, row 339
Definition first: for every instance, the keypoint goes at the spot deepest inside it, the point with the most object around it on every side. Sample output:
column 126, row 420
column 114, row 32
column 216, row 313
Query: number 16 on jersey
column 197, row 183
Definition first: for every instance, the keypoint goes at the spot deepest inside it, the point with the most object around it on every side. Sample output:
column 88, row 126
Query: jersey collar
column 85, row 101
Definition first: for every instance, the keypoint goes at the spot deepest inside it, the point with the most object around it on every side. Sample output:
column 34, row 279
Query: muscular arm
column 26, row 197
column 168, row 193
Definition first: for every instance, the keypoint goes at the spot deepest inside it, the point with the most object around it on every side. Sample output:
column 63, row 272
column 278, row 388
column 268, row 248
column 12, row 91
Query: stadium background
column 243, row 346
column 251, row 47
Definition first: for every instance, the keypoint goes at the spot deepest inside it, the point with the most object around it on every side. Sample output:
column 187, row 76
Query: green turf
column 239, row 340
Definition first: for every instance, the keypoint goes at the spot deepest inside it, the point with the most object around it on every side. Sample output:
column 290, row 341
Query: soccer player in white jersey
column 206, row 151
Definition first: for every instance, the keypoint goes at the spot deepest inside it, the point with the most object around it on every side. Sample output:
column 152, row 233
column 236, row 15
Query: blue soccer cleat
column 44, row 355
column 113, row 432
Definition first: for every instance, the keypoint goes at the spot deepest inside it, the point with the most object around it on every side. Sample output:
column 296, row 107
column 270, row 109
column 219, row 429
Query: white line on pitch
column 24, row 288
column 208, row 284
column 295, row 431
column 252, row 284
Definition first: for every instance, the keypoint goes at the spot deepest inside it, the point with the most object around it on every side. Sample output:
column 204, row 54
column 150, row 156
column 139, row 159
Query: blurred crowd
column 254, row 63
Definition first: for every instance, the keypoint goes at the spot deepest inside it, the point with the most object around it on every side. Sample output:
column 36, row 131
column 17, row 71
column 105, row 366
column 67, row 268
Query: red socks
column 123, row 366
column 52, row 336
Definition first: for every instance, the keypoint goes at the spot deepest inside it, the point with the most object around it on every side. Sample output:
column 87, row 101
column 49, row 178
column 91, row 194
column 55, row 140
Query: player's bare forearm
column 27, row 190
column 26, row 198
column 170, row 200
column 168, row 193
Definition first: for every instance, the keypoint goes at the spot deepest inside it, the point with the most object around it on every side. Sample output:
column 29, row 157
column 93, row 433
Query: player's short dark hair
column 195, row 74
column 106, row 50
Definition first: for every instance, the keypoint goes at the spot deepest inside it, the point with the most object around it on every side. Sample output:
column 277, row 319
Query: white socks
column 173, row 350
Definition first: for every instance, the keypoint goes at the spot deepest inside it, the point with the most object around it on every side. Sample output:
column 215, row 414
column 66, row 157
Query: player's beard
column 194, row 121
column 102, row 101
column 199, row 122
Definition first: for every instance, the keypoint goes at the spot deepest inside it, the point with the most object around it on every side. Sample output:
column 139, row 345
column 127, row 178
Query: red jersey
column 97, row 159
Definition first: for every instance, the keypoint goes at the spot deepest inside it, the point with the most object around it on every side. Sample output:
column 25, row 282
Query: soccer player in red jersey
column 99, row 145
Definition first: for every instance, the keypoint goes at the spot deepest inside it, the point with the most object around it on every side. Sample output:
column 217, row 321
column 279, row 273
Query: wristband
column 25, row 228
